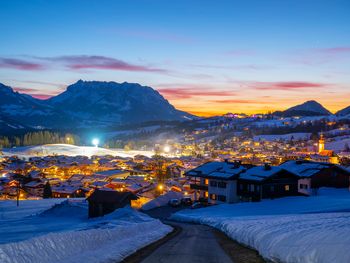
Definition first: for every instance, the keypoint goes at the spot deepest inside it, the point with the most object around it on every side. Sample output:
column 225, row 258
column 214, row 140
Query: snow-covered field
column 291, row 229
column 284, row 137
column 63, row 233
column 338, row 145
column 70, row 150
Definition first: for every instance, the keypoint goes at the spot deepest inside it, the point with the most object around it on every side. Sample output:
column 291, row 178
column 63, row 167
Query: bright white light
column 166, row 148
column 95, row 142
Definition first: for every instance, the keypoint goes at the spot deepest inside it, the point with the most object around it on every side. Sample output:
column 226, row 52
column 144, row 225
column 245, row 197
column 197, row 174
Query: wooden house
column 102, row 202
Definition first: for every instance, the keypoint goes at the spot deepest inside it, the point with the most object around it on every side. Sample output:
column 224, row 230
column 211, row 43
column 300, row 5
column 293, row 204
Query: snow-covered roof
column 260, row 173
column 221, row 170
column 307, row 168
column 115, row 172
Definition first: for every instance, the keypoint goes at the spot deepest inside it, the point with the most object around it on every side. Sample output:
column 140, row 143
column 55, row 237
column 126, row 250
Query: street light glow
column 95, row 142
column 166, row 148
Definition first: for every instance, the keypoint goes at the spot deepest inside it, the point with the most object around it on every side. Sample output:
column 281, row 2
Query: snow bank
column 161, row 200
column 320, row 238
column 310, row 232
column 10, row 210
column 70, row 150
column 63, row 233
column 94, row 245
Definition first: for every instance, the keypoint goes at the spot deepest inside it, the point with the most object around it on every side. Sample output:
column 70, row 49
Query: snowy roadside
column 63, row 233
column 285, row 230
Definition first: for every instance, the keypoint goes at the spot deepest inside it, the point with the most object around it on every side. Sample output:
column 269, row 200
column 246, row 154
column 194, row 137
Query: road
column 195, row 243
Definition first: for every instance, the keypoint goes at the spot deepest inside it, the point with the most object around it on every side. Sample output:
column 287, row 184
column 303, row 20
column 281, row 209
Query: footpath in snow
column 63, row 233
column 292, row 229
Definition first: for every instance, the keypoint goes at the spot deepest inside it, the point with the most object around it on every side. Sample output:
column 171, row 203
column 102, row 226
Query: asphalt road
column 195, row 243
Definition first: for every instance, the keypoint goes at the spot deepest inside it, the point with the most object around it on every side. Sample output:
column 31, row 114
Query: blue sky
column 206, row 57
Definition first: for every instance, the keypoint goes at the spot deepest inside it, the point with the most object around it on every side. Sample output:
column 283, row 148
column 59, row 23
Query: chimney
column 267, row 166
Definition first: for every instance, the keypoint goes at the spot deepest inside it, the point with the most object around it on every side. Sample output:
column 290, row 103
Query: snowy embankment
column 283, row 137
column 63, row 233
column 292, row 229
column 161, row 200
column 70, row 150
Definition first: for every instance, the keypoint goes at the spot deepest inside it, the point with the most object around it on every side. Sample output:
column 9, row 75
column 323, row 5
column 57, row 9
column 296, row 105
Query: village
column 223, row 177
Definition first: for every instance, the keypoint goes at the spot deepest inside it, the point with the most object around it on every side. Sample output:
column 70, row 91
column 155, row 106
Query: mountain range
column 94, row 104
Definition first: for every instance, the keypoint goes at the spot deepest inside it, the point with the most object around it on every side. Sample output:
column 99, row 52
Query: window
column 240, row 186
column 257, row 188
column 206, row 181
column 222, row 184
column 213, row 196
column 206, row 194
column 213, row 183
column 221, row 198
column 303, row 186
column 251, row 188
column 286, row 187
column 272, row 188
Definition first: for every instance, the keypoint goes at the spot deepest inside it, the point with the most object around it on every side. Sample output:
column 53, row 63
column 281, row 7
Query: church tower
column 321, row 143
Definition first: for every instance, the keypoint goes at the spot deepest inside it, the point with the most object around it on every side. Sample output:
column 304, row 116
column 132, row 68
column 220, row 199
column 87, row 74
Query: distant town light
column 166, row 148
column 160, row 187
column 95, row 142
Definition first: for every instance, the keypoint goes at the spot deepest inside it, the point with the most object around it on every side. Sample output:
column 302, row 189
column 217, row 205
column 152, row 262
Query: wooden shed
column 102, row 202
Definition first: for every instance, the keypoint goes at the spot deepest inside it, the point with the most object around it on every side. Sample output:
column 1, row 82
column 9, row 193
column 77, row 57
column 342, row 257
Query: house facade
column 216, row 182
column 266, row 181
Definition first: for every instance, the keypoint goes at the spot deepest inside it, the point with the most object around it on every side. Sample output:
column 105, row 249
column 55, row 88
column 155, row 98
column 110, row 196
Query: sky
column 205, row 57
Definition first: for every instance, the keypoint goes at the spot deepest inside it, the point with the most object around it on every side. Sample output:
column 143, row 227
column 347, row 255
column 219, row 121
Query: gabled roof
column 260, row 173
column 102, row 196
column 218, row 170
column 305, row 168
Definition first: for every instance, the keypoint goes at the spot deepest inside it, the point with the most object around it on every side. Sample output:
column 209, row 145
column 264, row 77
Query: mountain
column 28, row 111
column 87, row 104
column 308, row 108
column 343, row 112
column 118, row 103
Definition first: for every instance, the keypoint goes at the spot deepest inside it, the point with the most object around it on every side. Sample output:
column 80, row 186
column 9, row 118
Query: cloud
column 287, row 85
column 37, row 93
column 317, row 56
column 20, row 64
column 234, row 67
column 79, row 62
column 334, row 50
column 237, row 101
column 193, row 91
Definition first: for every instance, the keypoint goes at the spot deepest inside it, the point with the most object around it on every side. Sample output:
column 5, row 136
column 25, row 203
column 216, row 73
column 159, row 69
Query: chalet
column 111, row 174
column 67, row 191
column 102, row 202
column 216, row 182
column 313, row 175
column 35, row 187
column 266, row 181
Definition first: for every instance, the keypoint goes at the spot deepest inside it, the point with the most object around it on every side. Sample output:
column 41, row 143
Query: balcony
column 199, row 187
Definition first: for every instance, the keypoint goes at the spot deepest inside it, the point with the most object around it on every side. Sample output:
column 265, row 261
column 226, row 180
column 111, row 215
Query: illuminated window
column 206, row 194
column 286, row 187
column 206, row 181
column 213, row 196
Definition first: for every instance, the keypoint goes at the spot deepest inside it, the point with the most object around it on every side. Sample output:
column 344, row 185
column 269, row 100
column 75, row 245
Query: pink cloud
column 100, row 62
column 316, row 56
column 287, row 85
column 193, row 91
column 19, row 64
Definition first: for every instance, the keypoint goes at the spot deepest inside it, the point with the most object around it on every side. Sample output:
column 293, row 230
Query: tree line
column 38, row 138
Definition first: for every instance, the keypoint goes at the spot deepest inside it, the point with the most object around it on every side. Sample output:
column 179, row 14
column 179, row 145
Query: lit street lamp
column 95, row 142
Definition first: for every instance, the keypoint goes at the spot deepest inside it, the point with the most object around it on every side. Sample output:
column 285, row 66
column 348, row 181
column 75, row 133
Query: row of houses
column 218, row 182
